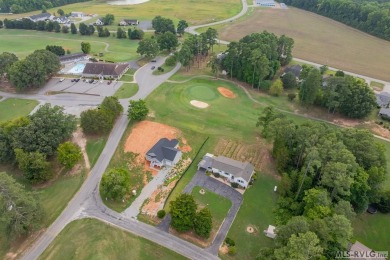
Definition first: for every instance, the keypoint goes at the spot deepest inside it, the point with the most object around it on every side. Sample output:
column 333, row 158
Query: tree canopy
column 6, row 61
column 115, row 183
column 162, row 25
column 137, row 110
column 148, row 48
column 183, row 212
column 68, row 154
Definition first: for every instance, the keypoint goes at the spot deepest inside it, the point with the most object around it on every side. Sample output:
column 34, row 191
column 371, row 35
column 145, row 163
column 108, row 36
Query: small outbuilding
column 270, row 231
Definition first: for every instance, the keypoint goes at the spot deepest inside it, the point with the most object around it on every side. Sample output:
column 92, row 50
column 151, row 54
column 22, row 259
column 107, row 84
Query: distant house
column 383, row 99
column 295, row 69
column 77, row 14
column 266, row 3
column 234, row 171
column 384, row 113
column 99, row 22
column 104, row 70
column 126, row 22
column 73, row 57
column 61, row 19
column 164, row 153
column 41, row 17
column 361, row 252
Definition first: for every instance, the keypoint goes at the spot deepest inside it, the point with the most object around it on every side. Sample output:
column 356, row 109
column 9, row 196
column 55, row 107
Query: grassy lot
column 127, row 90
column 373, row 231
column 218, row 205
column 255, row 211
column 200, row 11
column 12, row 108
column 127, row 78
column 319, row 39
column 23, row 42
column 95, row 145
column 387, row 153
column 53, row 198
column 377, row 85
column 92, row 239
column 166, row 69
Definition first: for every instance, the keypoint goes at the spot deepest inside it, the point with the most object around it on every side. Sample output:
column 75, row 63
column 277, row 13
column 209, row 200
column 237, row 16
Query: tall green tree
column 162, row 25
column 183, row 212
column 203, row 223
column 108, row 19
column 181, row 26
column 294, row 226
column 68, row 154
column 137, row 110
column 20, row 210
column 115, row 183
column 34, row 166
column 57, row 50
column 73, row 28
column 276, row 88
column 289, row 81
column 167, row 41
column 120, row 33
column 148, row 48
column 310, row 87
column 60, row 12
column 86, row 47
column 6, row 61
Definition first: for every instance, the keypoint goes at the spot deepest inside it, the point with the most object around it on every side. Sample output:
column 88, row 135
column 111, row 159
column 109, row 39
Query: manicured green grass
column 373, row 231
column 13, row 107
column 24, row 42
column 256, row 211
column 95, row 146
column 377, row 85
column 218, row 205
column 386, row 184
column 166, row 70
column 318, row 39
column 127, row 78
column 92, row 239
column 127, row 90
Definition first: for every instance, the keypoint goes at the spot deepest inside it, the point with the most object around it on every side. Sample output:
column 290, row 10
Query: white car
column 62, row 79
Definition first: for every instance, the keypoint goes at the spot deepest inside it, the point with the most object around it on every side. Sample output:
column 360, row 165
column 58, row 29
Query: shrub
column 216, row 174
column 232, row 250
column 203, row 223
column 234, row 185
column 161, row 214
column 230, row 242
column 265, row 85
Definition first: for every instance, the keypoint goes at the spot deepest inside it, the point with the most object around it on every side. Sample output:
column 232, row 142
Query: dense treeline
column 370, row 16
column 257, row 57
column 23, row 6
column 328, row 175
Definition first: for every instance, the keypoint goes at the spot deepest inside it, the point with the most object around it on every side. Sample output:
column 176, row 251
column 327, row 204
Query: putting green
column 202, row 93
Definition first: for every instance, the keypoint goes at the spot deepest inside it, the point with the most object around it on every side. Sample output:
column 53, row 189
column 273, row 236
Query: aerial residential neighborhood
column 220, row 129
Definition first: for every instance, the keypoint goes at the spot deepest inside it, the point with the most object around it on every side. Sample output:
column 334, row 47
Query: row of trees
column 152, row 46
column 23, row 6
column 163, row 25
column 327, row 175
column 27, row 24
column 33, row 141
column 256, row 57
column 345, row 94
column 31, row 72
column 366, row 15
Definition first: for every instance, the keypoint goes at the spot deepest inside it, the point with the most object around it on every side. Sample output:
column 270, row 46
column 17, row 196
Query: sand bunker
column 199, row 104
column 226, row 92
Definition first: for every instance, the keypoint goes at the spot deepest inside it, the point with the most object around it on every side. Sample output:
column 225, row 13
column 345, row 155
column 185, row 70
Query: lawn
column 165, row 68
column 194, row 12
column 318, row 39
column 127, row 90
column 373, row 231
column 95, row 145
column 256, row 211
column 218, row 205
column 12, row 108
column 92, row 239
column 24, row 42
column 127, row 78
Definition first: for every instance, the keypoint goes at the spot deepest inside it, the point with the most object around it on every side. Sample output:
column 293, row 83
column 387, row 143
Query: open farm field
column 318, row 39
column 24, row 42
column 194, row 12
column 92, row 239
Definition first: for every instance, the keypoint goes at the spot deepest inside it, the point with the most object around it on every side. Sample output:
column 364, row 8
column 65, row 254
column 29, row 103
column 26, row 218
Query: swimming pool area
column 77, row 69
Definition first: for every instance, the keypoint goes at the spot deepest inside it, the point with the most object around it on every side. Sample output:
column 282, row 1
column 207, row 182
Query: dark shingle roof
column 383, row 99
column 109, row 69
column 164, row 149
column 40, row 16
column 73, row 56
column 295, row 69
column 237, row 168
column 130, row 21
column 385, row 112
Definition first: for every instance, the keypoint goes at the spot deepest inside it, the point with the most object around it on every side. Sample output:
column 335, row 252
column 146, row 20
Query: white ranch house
column 164, row 153
column 234, row 171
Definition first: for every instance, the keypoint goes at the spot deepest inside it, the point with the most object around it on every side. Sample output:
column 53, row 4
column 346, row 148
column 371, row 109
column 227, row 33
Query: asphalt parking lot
column 81, row 87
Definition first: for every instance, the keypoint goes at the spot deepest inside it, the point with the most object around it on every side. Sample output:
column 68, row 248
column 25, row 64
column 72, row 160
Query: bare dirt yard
column 318, row 39
column 227, row 93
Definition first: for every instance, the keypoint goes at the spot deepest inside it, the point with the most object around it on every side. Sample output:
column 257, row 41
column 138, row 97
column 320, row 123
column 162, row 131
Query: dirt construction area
column 227, row 93
column 145, row 134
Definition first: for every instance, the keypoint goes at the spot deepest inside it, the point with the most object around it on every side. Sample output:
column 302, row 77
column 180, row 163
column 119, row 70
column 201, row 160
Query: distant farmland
column 319, row 39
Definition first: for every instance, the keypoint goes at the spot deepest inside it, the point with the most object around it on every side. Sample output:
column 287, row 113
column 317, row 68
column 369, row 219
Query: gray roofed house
column 383, row 99
column 105, row 70
column 61, row 19
column 295, row 69
column 384, row 113
column 164, row 153
column 235, row 171
column 40, row 17
column 126, row 22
